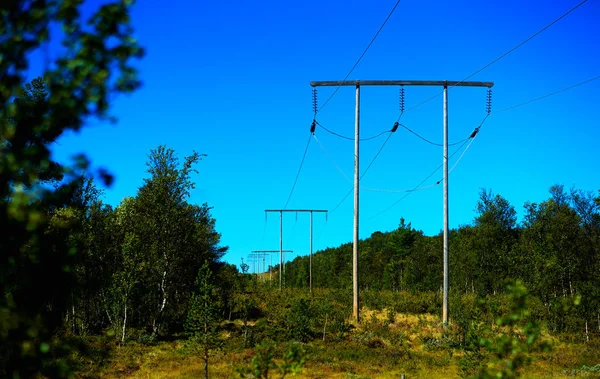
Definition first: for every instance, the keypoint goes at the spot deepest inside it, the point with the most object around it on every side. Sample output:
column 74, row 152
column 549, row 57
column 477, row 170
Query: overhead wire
column 391, row 132
column 548, row 95
column 369, row 189
column 361, row 56
column 504, row 54
column 418, row 186
column 331, row 159
column 475, row 133
column 429, row 141
column 473, row 136
column 363, row 174
column 298, row 173
column 350, row 138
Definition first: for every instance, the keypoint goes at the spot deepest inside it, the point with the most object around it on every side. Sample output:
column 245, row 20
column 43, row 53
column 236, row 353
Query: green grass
column 415, row 345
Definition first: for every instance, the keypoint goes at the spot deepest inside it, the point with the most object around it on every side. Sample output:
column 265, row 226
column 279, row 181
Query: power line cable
column 332, row 160
column 505, row 54
column 429, row 141
column 394, row 128
column 462, row 155
column 363, row 174
column 548, row 95
column 362, row 55
column 298, row 173
column 351, row 138
column 474, row 134
column 418, row 186
column 369, row 189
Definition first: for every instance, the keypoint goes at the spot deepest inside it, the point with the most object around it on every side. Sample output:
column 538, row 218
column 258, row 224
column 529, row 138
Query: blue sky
column 231, row 79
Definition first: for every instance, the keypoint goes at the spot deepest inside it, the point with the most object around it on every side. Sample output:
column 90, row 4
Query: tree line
column 554, row 251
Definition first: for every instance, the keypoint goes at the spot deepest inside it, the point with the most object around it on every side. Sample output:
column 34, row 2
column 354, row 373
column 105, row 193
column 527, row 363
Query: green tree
column 496, row 234
column 176, row 236
column 264, row 362
column 551, row 244
column 203, row 317
column 36, row 263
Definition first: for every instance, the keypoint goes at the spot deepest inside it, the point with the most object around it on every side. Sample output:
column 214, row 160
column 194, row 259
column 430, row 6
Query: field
column 414, row 345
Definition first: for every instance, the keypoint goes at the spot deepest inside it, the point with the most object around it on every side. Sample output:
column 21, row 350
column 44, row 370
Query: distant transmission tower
column 281, row 211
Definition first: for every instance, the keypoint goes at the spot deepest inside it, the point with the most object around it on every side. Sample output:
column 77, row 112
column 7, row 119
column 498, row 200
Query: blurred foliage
column 264, row 361
column 37, row 260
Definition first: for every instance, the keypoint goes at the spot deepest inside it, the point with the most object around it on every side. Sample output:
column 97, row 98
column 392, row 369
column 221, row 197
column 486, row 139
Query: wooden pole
column 311, row 251
column 356, row 207
column 446, row 231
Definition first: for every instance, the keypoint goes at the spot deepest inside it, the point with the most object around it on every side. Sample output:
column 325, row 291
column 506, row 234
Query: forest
column 142, row 289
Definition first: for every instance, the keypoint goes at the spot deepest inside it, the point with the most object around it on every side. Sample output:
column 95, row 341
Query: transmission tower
column 281, row 211
column 359, row 83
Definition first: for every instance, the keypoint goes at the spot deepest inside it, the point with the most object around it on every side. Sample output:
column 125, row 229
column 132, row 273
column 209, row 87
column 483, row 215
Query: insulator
column 395, row 127
column 314, row 100
column 488, row 106
column 401, row 99
column 313, row 127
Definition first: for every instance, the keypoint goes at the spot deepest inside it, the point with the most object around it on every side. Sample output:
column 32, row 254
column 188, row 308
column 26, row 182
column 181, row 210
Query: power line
column 456, row 143
column 331, row 159
column 477, row 130
column 298, row 173
column 418, row 186
column 364, row 172
column 506, row 53
column 548, row 95
column 346, row 176
column 369, row 189
column 362, row 55
column 351, row 138
column 431, row 142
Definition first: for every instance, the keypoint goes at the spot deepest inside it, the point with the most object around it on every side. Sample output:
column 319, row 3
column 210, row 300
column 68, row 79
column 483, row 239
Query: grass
column 413, row 345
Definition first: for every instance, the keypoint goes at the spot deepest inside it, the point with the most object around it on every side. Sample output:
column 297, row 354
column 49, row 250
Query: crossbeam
column 442, row 83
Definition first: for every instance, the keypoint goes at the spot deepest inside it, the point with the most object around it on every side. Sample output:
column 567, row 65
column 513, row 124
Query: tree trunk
column 124, row 322
column 206, row 362
column 73, row 325
column 587, row 336
column 163, row 303
column 325, row 327
column 245, row 330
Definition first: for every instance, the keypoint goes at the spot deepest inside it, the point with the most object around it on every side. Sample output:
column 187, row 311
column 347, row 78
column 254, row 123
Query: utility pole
column 355, row 303
column 446, row 230
column 270, row 252
column 358, row 83
column 281, row 211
